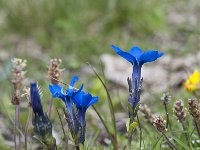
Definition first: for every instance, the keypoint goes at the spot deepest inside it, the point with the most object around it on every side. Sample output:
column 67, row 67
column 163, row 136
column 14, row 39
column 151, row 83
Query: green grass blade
column 182, row 144
column 109, row 101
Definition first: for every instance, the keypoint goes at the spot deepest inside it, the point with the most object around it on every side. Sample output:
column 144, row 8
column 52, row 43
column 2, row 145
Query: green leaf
column 182, row 144
column 132, row 127
column 127, row 124
column 58, row 103
column 136, row 109
column 158, row 143
column 81, row 146
column 39, row 140
column 130, row 108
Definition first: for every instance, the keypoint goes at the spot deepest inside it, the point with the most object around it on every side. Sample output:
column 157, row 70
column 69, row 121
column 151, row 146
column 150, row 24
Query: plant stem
column 77, row 147
column 185, row 132
column 15, row 128
column 197, row 127
column 129, row 141
column 172, row 146
column 140, row 131
column 130, row 136
column 27, row 125
column 61, row 123
column 18, row 124
column 50, row 107
column 65, row 137
column 11, row 120
column 167, row 114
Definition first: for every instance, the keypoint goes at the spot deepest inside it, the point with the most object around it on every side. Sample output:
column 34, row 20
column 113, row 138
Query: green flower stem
column 167, row 114
column 184, row 129
column 61, row 123
column 172, row 146
column 140, row 131
column 129, row 141
column 27, row 125
column 19, row 125
column 15, row 128
column 65, row 137
column 197, row 127
column 50, row 107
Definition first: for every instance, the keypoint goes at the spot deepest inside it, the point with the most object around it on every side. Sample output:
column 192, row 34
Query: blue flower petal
column 62, row 90
column 74, row 80
column 79, row 90
column 35, row 100
column 94, row 100
column 135, row 51
column 149, row 56
column 78, row 98
column 70, row 90
column 123, row 54
column 56, row 91
column 84, row 100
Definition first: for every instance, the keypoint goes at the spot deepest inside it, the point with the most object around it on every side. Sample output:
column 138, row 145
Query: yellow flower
column 193, row 82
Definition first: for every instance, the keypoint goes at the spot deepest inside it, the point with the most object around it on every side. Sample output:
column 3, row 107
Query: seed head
column 159, row 123
column 166, row 98
column 179, row 110
column 194, row 108
column 146, row 111
column 16, row 98
column 18, row 75
column 54, row 72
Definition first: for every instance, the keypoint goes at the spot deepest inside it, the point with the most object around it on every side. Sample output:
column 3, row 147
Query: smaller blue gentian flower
column 67, row 97
column 35, row 100
column 137, row 58
column 58, row 92
column 83, row 100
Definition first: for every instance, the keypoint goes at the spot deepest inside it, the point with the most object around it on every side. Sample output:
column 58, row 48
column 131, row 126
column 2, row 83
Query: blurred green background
column 80, row 31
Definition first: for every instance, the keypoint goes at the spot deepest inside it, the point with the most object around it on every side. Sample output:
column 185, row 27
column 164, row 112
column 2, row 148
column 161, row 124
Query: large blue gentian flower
column 58, row 92
column 137, row 58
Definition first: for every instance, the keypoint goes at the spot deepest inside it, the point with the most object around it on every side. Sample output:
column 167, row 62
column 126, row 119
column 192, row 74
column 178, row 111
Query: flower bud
column 159, row 123
column 194, row 108
column 54, row 72
column 179, row 110
column 146, row 112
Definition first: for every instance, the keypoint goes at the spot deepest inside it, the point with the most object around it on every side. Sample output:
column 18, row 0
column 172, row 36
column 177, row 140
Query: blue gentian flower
column 137, row 58
column 35, row 100
column 83, row 100
column 66, row 97
column 41, row 123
